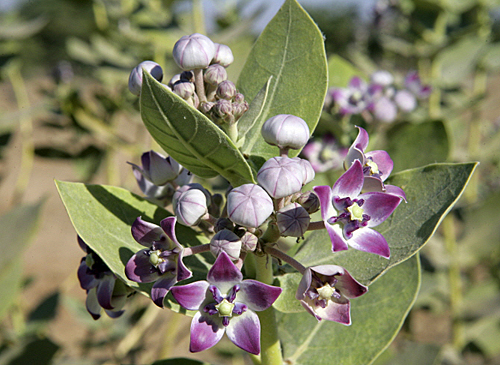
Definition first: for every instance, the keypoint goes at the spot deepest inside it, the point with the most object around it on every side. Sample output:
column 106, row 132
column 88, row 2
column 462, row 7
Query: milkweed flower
column 325, row 290
column 161, row 262
column 225, row 303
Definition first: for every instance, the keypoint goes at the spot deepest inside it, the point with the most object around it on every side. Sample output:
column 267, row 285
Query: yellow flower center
column 154, row 258
column 356, row 212
column 373, row 167
column 225, row 308
column 326, row 291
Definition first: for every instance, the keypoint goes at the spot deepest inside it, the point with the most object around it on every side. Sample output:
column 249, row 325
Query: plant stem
column 270, row 352
column 284, row 257
column 199, row 85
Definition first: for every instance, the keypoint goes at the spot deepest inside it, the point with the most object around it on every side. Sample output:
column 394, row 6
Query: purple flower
column 377, row 166
column 414, row 85
column 343, row 205
column 161, row 262
column 104, row 290
column 325, row 290
column 353, row 99
column 325, row 154
column 225, row 303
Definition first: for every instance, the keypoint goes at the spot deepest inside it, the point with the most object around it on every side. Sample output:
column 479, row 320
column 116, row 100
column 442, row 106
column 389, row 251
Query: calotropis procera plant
column 349, row 270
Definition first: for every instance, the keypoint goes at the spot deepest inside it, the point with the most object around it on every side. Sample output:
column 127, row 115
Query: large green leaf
column 190, row 137
column 291, row 50
column 18, row 227
column 102, row 217
column 407, row 141
column 431, row 192
column 376, row 319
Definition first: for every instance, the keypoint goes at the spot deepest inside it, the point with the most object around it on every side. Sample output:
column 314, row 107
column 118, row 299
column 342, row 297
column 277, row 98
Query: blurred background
column 66, row 114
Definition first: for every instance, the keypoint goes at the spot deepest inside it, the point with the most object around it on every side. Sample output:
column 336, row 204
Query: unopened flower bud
column 193, row 51
column 226, row 241
column 307, row 170
column 226, row 90
column 382, row 78
column 191, row 186
column 190, row 207
column 385, row 110
column 184, row 89
column 215, row 74
column 135, row 78
column 405, row 101
column 239, row 109
column 292, row 220
column 286, row 131
column 157, row 168
column 187, row 75
column 223, row 55
column 309, row 201
column 223, row 110
column 239, row 98
column 206, row 107
column 249, row 242
column 249, row 205
column 185, row 177
column 281, row 176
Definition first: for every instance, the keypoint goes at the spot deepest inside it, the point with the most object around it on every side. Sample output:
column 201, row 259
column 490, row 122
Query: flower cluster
column 251, row 218
column 380, row 97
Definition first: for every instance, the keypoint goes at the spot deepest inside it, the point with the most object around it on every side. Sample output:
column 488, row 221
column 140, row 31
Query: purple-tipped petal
column 145, row 232
column 206, row 331
column 379, row 206
column 258, row 296
column 86, row 280
column 114, row 314
column 168, row 226
column 325, row 200
column 92, row 304
column 361, row 141
column 224, row 273
column 371, row 184
column 350, row 183
column 337, row 312
column 191, row 296
column 105, row 291
column 368, row 240
column 395, row 190
column 161, row 287
column 244, row 332
column 350, row 287
column 139, row 268
column 82, row 244
column 383, row 161
column 356, row 151
column 183, row 272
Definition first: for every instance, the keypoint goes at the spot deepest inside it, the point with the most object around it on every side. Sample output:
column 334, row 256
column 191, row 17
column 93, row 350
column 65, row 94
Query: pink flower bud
column 215, row 74
column 193, row 51
column 286, row 131
column 135, row 78
column 226, row 241
column 281, row 176
column 190, row 207
column 249, row 205
column 223, row 55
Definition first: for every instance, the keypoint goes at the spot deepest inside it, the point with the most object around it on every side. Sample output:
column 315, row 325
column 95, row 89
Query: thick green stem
column 270, row 352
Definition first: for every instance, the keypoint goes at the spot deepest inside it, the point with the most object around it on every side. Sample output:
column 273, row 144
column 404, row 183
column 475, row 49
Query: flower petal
column 92, row 304
column 337, row 312
column 224, row 272
column 244, row 332
column 168, row 226
column 256, row 295
column 383, row 161
column 145, row 232
column 87, row 281
column 183, row 272
column 356, row 151
column 114, row 314
column 395, row 190
column 191, row 296
column 368, row 240
column 161, row 287
column 350, row 287
column 350, row 183
column 205, row 332
column 139, row 268
column 379, row 206
column 105, row 291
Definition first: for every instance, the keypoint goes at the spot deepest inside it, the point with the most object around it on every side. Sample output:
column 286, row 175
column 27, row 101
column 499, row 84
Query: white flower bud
column 292, row 220
column 135, row 78
column 249, row 205
column 215, row 74
column 249, row 242
column 193, row 51
column 281, row 176
column 223, row 55
column 190, row 207
column 405, row 101
column 226, row 90
column 382, row 78
column 286, row 131
column 226, row 241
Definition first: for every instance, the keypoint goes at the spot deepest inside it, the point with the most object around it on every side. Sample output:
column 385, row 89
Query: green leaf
column 431, row 192
column 377, row 317
column 291, row 50
column 341, row 71
column 102, row 217
column 190, row 137
column 407, row 141
column 18, row 227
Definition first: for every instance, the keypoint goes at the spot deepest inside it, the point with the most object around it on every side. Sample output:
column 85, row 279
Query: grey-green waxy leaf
column 18, row 227
column 103, row 216
column 431, row 192
column 190, row 137
column 376, row 317
column 291, row 50
column 407, row 141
